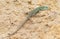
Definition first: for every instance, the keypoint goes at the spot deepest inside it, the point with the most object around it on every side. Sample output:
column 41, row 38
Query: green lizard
column 30, row 14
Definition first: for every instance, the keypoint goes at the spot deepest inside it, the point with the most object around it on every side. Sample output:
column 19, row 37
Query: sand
column 44, row 25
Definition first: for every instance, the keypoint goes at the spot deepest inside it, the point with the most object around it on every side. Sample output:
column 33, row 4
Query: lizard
column 30, row 14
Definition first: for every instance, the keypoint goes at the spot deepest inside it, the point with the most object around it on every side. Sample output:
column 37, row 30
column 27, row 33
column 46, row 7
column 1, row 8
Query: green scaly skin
column 36, row 10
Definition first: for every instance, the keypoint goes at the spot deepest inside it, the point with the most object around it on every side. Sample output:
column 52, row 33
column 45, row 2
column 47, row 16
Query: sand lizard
column 30, row 14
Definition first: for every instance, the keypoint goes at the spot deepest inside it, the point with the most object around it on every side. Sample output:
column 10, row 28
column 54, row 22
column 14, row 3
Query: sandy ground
column 44, row 25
